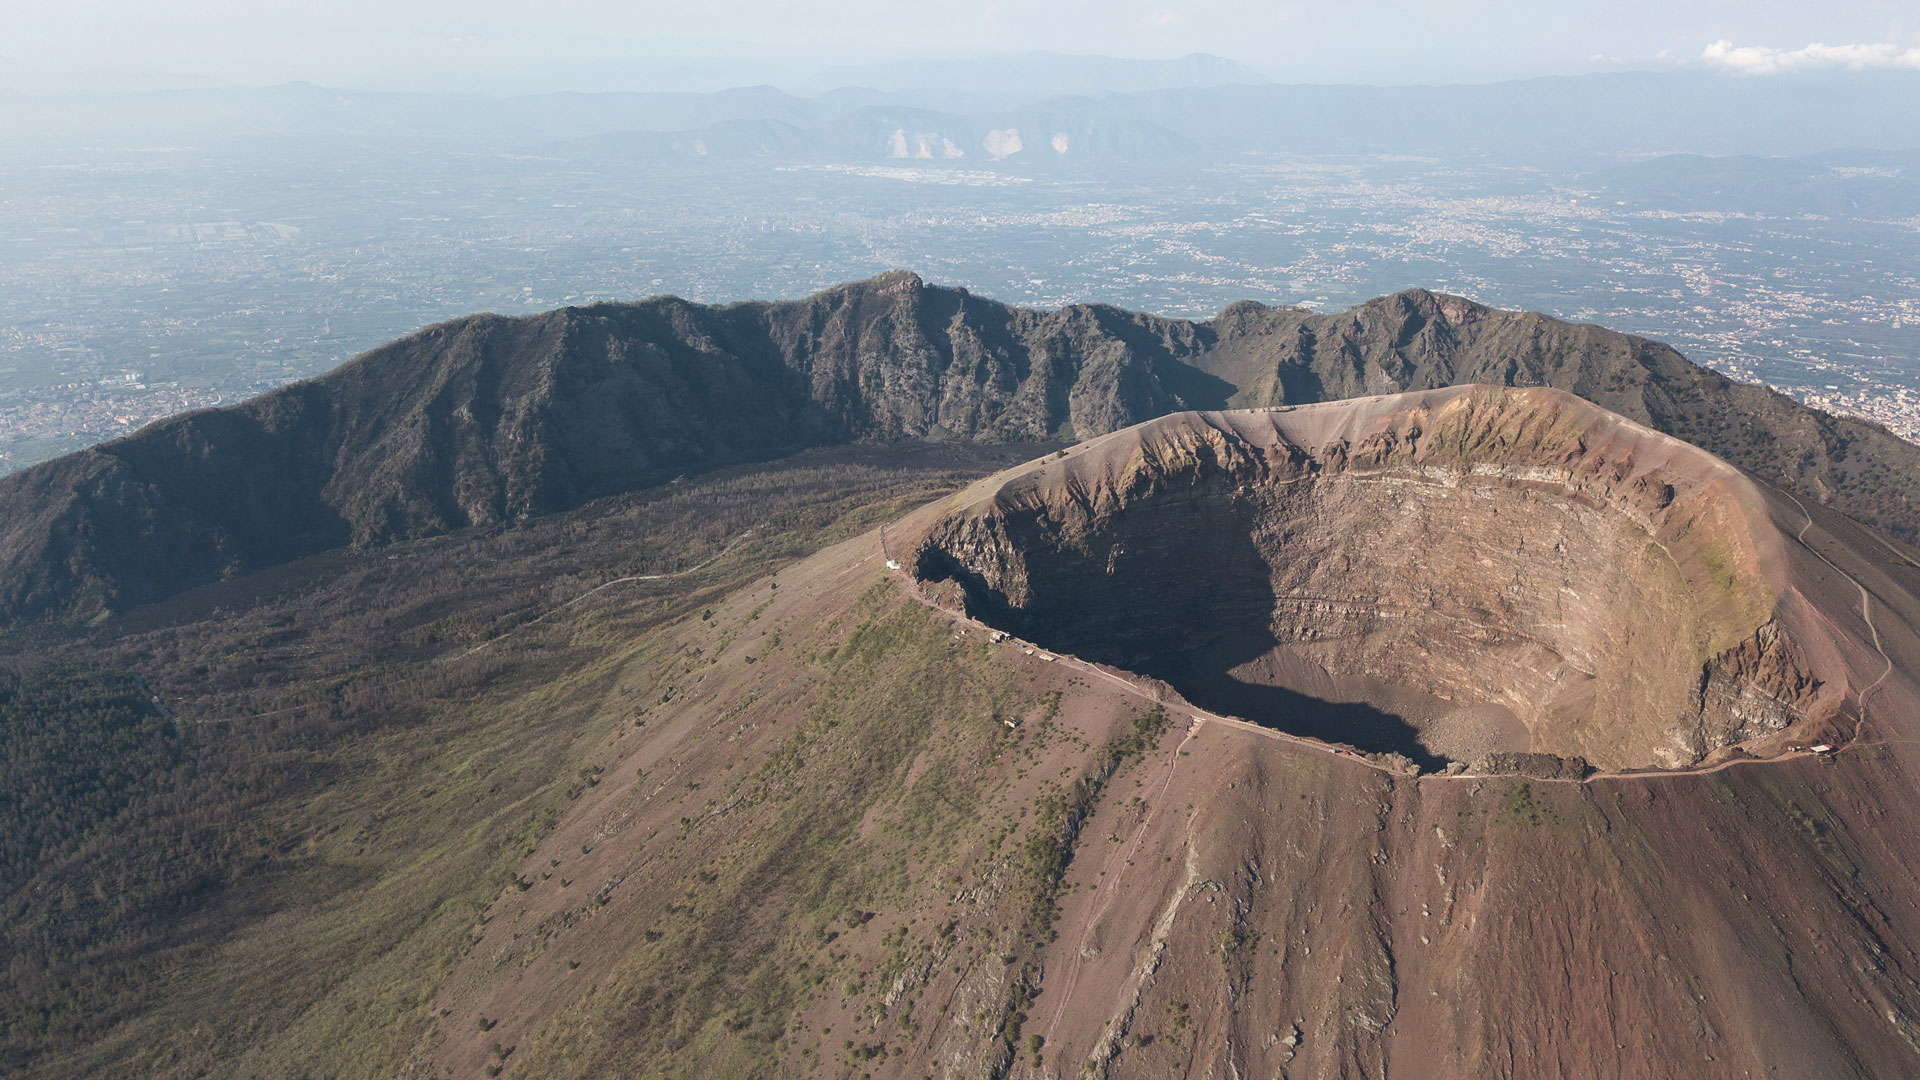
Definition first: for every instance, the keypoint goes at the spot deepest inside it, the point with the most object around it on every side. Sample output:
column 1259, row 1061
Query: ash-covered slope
column 487, row 420
column 1015, row 868
column 1453, row 575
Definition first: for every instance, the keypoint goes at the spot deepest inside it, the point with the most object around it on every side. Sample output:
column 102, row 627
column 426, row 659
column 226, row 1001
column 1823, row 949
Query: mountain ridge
column 486, row 420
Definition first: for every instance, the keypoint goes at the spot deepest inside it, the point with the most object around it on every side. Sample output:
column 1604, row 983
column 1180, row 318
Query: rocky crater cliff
column 1451, row 575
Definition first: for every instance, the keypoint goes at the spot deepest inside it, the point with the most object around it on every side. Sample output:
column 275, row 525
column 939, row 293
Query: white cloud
column 1761, row 60
column 1164, row 18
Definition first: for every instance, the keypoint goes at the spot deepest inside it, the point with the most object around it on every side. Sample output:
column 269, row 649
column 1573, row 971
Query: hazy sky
column 528, row 45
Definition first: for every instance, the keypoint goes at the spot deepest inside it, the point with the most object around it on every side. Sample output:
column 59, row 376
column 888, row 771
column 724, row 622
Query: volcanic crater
column 1470, row 578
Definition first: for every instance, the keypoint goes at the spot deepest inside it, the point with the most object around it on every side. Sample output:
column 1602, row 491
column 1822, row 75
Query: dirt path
column 1133, row 688
column 1112, row 888
column 1866, row 605
column 1891, row 550
column 172, row 718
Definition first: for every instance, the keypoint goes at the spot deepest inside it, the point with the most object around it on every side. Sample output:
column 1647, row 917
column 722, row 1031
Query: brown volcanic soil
column 1230, row 902
column 800, row 823
column 1447, row 575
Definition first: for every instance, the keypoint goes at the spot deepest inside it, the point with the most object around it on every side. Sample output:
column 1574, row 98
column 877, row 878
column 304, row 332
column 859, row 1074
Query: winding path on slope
column 710, row 560
column 1866, row 607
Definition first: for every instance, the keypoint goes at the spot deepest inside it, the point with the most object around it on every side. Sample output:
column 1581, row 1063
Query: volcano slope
column 894, row 846
column 781, row 814
column 1459, row 577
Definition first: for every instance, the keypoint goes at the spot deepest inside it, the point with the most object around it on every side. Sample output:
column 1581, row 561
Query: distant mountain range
column 1041, row 74
column 488, row 420
column 1037, row 109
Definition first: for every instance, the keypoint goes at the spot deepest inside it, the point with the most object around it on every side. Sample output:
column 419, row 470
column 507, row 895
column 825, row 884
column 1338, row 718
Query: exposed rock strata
column 1450, row 574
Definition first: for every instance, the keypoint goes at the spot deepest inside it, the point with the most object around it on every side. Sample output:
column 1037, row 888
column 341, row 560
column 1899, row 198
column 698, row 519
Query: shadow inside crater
column 1207, row 678
column 1188, row 599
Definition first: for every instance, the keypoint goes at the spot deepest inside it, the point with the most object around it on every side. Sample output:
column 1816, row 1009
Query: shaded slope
column 488, row 420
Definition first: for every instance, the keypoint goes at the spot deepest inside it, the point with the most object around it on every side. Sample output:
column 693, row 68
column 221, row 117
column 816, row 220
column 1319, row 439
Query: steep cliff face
column 1445, row 574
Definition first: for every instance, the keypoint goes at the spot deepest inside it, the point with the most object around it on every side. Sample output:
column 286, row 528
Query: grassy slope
column 822, row 860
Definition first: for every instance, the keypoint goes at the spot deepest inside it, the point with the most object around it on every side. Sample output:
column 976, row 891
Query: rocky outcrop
column 1756, row 688
column 1535, row 766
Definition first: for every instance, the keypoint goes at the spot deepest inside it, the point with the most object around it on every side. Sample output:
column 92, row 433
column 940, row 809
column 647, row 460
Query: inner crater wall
column 1446, row 611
